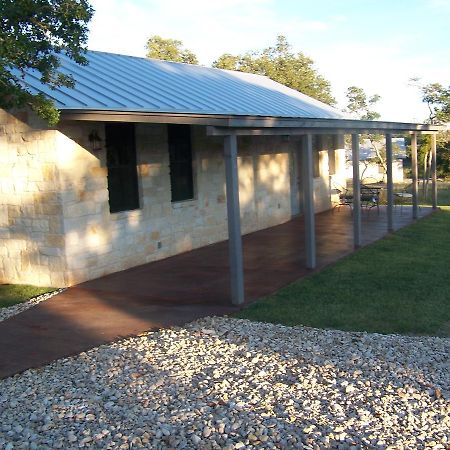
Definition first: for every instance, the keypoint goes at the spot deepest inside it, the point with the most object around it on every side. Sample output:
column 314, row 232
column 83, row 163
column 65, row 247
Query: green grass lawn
column 10, row 294
column 443, row 194
column 400, row 284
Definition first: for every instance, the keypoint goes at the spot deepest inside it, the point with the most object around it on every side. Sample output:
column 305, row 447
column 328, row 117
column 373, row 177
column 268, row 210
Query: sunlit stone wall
column 98, row 242
column 55, row 224
column 32, row 247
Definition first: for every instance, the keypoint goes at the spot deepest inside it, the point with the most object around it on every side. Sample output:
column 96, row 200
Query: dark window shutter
column 180, row 160
column 121, row 163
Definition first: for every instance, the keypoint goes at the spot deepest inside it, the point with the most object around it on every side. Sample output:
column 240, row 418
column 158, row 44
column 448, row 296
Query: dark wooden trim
column 137, row 117
column 333, row 124
column 288, row 131
column 221, row 124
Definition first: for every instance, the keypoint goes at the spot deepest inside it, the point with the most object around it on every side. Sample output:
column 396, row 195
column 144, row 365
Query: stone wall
column 31, row 223
column 98, row 242
column 57, row 229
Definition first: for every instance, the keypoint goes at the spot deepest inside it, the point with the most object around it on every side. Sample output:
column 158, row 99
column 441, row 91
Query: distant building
column 372, row 170
column 367, row 150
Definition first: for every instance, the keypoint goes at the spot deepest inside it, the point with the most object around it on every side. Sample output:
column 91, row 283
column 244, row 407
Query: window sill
column 118, row 215
column 184, row 204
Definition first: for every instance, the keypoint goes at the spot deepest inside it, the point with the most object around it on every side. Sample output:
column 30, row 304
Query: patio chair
column 345, row 197
column 370, row 196
column 404, row 197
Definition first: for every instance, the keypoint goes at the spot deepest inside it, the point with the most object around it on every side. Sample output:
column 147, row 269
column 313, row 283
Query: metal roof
column 112, row 82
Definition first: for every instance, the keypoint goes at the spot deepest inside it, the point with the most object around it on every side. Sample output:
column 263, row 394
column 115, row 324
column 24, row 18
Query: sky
column 378, row 45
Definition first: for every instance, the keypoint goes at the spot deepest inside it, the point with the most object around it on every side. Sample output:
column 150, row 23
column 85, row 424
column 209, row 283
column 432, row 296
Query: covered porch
column 179, row 289
column 272, row 258
column 306, row 129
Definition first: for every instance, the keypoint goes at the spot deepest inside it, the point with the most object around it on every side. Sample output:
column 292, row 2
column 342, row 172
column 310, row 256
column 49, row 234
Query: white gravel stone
column 228, row 383
column 6, row 313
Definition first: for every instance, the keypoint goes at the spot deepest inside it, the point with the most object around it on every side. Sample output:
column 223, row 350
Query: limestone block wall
column 338, row 179
column 264, row 181
column 31, row 224
column 98, row 243
column 322, row 184
column 55, row 224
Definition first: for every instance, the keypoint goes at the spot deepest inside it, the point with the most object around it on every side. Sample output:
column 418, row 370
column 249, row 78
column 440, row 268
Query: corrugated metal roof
column 112, row 82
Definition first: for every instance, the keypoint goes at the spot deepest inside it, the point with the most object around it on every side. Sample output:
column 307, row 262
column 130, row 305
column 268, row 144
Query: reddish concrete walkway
column 174, row 291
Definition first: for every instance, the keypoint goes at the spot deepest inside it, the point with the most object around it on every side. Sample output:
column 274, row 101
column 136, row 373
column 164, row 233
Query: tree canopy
column 361, row 105
column 169, row 50
column 437, row 98
column 32, row 34
column 295, row 70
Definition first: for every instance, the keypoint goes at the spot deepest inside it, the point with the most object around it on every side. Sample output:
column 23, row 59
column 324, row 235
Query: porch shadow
column 176, row 290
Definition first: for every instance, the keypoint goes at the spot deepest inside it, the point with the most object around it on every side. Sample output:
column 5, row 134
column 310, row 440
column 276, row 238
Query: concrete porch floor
column 177, row 290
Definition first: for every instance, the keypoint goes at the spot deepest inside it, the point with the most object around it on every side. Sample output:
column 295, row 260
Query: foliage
column 437, row 98
column 360, row 105
column 32, row 34
column 10, row 294
column 424, row 152
column 228, row 62
column 282, row 65
column 396, row 285
column 443, row 155
column 169, row 50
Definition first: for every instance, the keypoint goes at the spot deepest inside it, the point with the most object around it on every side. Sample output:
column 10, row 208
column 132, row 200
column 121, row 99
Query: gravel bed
column 222, row 383
column 6, row 313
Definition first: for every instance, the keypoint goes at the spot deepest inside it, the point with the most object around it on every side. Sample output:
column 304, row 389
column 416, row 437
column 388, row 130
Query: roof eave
column 223, row 123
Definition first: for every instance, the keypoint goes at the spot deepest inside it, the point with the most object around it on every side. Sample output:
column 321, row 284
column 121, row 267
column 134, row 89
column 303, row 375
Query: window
column 180, row 158
column 121, row 163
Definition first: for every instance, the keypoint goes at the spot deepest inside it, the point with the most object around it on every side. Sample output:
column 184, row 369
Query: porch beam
column 415, row 176
column 390, row 183
column 433, row 172
column 356, row 192
column 335, row 123
column 294, row 131
column 227, row 123
column 234, row 220
column 308, row 201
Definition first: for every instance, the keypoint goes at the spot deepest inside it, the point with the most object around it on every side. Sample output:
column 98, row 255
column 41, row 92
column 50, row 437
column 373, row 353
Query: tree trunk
column 430, row 161
column 426, row 173
column 382, row 161
column 366, row 165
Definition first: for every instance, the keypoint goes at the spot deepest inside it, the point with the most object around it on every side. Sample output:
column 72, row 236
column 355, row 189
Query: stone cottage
column 135, row 170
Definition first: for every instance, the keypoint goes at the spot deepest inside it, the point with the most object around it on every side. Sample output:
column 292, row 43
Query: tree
column 32, row 34
column 282, row 65
column 227, row 61
column 360, row 105
column 169, row 50
column 437, row 98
